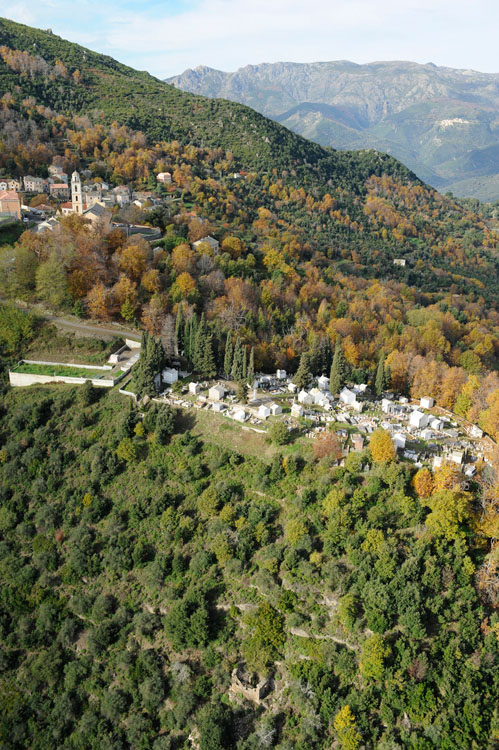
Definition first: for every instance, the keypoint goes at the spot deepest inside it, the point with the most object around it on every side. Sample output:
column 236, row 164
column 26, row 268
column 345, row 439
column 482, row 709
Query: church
column 97, row 213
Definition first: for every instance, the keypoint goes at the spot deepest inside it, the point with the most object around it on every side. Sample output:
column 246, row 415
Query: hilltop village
column 39, row 202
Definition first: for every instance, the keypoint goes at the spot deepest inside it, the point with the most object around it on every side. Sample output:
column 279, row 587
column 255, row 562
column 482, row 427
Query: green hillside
column 162, row 112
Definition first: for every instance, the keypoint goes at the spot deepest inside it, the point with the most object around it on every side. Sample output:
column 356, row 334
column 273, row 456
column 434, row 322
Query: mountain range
column 441, row 122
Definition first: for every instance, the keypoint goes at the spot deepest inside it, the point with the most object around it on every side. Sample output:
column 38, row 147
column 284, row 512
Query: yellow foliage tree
column 346, row 731
column 186, row 284
column 449, row 511
column 124, row 290
column 446, row 477
column 489, row 419
column 183, row 258
column 332, row 501
column 151, row 281
column 381, row 447
column 374, row 650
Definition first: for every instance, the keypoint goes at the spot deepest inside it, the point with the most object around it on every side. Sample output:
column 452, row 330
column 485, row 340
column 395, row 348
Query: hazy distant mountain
column 441, row 122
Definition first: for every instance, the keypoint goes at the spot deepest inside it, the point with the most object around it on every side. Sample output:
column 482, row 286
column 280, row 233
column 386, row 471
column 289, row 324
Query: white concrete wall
column 132, row 344
column 26, row 378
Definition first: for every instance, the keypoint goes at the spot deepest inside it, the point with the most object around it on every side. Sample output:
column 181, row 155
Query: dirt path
column 71, row 323
column 303, row 634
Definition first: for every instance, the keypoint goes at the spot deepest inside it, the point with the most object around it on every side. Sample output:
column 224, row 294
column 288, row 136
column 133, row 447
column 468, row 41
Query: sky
column 167, row 37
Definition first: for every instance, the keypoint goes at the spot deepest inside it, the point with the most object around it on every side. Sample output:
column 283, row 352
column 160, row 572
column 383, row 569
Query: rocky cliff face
column 442, row 122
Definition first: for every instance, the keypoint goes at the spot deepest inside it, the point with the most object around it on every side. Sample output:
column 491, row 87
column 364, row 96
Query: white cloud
column 166, row 38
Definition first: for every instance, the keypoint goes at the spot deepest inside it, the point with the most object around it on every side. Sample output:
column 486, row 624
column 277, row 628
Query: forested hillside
column 143, row 558
column 138, row 570
column 297, row 267
column 72, row 80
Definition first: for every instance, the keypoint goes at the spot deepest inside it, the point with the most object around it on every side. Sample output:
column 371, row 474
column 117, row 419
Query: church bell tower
column 76, row 195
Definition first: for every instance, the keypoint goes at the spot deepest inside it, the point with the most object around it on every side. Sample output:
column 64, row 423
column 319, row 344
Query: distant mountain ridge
column 443, row 123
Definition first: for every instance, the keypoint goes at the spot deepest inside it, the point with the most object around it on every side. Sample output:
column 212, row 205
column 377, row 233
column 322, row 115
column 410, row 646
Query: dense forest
column 144, row 560
column 141, row 565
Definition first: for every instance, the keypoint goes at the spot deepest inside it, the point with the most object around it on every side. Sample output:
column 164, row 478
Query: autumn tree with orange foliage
column 423, row 483
column 99, row 302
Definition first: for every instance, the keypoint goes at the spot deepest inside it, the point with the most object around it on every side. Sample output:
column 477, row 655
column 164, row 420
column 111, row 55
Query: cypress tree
column 338, row 373
column 388, row 376
column 242, row 392
column 380, row 382
column 302, row 376
column 179, row 330
column 251, row 365
column 327, row 355
column 244, row 364
column 235, row 372
column 197, row 353
column 187, row 338
column 192, row 337
column 149, row 365
column 207, row 366
column 228, row 356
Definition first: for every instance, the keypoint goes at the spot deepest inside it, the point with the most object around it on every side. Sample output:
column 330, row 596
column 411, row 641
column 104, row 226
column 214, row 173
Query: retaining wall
column 26, row 378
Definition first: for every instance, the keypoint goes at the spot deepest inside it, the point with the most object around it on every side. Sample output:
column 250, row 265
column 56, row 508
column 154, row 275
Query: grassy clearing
column 61, row 370
column 214, row 428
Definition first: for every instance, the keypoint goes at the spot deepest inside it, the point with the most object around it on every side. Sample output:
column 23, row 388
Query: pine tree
column 302, row 376
column 380, row 382
column 228, row 356
column 251, row 366
column 338, row 372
